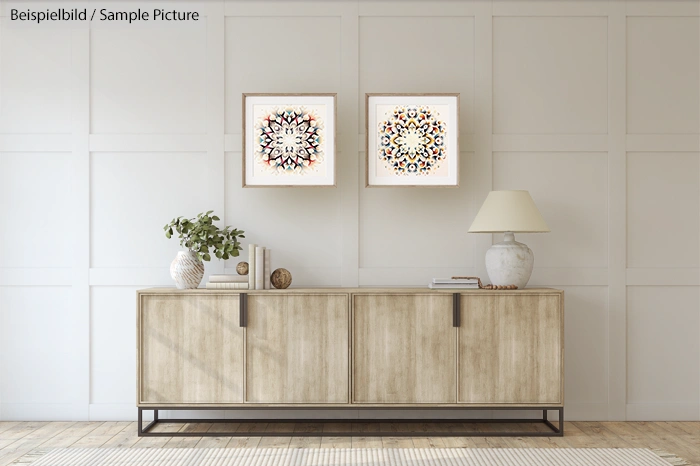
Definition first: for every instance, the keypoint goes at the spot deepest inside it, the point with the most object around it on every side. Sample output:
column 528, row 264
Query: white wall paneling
column 30, row 103
column 674, row 176
column 538, row 56
column 662, row 323
column 112, row 350
column 669, row 40
column 149, row 80
column 106, row 133
column 567, row 187
column 40, row 353
column 42, row 182
column 587, row 348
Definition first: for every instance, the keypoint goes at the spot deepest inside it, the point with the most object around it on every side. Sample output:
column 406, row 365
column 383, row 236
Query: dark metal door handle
column 455, row 309
column 243, row 309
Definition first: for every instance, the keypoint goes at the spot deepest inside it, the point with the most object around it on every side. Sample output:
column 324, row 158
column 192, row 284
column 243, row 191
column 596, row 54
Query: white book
column 251, row 266
column 267, row 270
column 260, row 268
column 453, row 286
column 228, row 278
column 455, row 280
column 227, row 286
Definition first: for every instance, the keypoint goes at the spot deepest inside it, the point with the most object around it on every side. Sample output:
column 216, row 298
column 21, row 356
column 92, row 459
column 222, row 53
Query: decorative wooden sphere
column 281, row 279
column 242, row 268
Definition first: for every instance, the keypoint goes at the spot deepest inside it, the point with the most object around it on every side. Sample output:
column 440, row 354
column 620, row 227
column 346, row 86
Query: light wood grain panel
column 511, row 349
column 297, row 348
column 191, row 349
column 403, row 349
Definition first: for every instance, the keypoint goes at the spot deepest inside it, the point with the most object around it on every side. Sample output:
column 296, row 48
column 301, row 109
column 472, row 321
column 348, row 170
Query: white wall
column 593, row 106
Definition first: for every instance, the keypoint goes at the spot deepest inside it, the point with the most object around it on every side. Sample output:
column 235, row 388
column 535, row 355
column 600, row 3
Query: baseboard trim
column 43, row 412
column 116, row 412
column 663, row 411
column 586, row 411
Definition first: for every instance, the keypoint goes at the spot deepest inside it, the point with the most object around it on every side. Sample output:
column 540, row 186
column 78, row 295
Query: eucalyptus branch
column 200, row 234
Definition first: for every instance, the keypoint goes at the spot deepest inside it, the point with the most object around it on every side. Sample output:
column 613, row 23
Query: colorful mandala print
column 290, row 140
column 412, row 140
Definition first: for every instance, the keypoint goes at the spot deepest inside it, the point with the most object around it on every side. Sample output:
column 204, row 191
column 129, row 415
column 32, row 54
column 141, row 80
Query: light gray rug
column 350, row 456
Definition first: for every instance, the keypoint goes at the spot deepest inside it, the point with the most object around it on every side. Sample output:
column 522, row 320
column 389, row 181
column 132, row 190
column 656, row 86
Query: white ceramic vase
column 509, row 262
column 187, row 270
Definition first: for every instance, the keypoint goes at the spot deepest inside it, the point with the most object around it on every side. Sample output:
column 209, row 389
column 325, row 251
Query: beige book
column 259, row 268
column 251, row 266
column 267, row 270
column 227, row 286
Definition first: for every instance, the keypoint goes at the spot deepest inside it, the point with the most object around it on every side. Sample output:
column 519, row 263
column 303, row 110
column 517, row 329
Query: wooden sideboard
column 350, row 348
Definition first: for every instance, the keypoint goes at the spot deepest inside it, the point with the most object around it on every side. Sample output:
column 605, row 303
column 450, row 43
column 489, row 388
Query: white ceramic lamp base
column 509, row 262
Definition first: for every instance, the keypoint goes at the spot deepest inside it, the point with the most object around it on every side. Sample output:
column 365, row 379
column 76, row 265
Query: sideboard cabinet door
column 510, row 349
column 190, row 349
column 297, row 348
column 403, row 349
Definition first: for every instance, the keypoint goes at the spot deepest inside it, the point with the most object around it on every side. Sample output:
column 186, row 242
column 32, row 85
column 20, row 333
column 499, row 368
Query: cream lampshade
column 509, row 212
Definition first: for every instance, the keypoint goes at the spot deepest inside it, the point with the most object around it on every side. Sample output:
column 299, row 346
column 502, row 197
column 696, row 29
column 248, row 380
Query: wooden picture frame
column 265, row 164
column 441, row 169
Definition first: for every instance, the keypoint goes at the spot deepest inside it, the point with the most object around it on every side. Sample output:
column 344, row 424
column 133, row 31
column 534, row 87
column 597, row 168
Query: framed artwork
column 412, row 140
column 289, row 140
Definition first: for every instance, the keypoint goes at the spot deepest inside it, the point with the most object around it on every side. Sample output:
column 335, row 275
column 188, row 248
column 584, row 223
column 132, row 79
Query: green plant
column 200, row 234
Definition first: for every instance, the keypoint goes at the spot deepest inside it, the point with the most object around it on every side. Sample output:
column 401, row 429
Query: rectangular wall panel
column 550, row 75
column 586, row 339
column 663, row 71
column 390, row 61
column 300, row 225
column 570, row 192
column 148, row 80
column 417, row 227
column 133, row 195
column 280, row 55
column 112, row 344
column 35, row 209
column 35, row 80
column 663, row 347
column 38, row 351
column 663, row 201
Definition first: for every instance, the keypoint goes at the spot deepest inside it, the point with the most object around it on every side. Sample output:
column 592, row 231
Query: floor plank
column 101, row 435
column 124, row 439
column 305, row 442
column 397, row 442
column 72, row 434
column 32, row 440
column 277, row 442
column 366, row 442
column 188, row 442
column 243, row 442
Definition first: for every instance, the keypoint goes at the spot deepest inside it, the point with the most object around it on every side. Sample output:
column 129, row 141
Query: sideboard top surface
column 365, row 290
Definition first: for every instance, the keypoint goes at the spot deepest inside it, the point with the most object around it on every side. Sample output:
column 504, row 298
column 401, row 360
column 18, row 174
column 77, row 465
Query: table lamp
column 509, row 212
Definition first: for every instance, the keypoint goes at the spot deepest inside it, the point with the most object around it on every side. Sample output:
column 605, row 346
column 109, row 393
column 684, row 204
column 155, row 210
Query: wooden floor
column 19, row 438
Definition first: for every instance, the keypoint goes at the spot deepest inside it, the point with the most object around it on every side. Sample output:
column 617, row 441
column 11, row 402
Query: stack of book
column 259, row 267
column 228, row 282
column 454, row 283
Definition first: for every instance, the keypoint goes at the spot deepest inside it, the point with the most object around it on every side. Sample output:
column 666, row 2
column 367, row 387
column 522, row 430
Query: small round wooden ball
column 242, row 268
column 281, row 279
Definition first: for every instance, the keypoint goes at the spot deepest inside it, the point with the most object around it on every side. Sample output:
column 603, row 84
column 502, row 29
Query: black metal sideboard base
column 554, row 431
